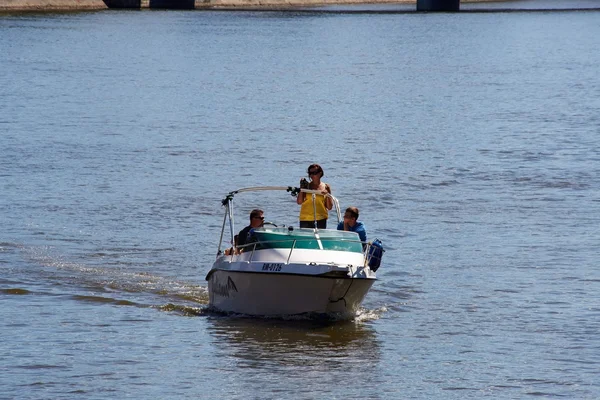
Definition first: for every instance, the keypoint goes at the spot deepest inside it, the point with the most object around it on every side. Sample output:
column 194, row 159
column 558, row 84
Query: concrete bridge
column 422, row 5
column 41, row 5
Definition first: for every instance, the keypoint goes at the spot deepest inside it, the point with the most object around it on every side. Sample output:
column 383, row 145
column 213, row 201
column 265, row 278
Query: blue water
column 470, row 143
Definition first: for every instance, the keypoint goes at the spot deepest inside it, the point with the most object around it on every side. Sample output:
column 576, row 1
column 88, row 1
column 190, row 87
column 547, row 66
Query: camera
column 303, row 183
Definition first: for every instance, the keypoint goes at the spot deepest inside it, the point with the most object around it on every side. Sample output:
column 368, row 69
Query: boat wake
column 111, row 285
column 362, row 315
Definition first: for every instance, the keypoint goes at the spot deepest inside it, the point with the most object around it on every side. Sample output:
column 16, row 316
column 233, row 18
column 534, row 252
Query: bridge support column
column 438, row 5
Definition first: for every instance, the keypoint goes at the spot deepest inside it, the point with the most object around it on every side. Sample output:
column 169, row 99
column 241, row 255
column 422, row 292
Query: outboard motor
column 375, row 254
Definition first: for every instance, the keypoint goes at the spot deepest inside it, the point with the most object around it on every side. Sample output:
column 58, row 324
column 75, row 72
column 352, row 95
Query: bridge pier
column 438, row 5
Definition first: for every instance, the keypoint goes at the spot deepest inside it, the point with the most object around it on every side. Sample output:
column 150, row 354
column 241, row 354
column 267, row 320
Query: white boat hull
column 268, row 293
column 285, row 281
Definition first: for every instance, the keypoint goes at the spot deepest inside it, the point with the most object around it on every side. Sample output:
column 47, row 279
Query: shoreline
column 13, row 6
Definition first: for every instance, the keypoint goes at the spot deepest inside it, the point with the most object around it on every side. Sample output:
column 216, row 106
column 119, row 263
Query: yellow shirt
column 307, row 209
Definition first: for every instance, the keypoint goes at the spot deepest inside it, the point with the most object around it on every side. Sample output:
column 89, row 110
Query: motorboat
column 286, row 270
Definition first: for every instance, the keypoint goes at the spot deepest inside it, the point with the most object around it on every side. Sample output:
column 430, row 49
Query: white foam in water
column 114, row 279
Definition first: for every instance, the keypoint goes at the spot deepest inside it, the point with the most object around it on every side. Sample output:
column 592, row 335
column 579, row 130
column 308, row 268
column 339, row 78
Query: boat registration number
column 272, row 267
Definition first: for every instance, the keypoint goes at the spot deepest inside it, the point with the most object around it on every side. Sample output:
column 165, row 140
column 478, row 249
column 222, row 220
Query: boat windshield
column 286, row 238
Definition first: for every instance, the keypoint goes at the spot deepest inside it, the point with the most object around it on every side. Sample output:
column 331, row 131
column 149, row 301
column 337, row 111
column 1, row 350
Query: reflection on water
column 263, row 343
column 309, row 358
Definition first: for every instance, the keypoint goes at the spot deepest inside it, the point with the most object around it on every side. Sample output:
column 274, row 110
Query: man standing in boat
column 322, row 203
column 352, row 224
column 256, row 221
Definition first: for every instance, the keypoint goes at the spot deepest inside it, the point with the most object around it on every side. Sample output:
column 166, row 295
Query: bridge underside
column 438, row 5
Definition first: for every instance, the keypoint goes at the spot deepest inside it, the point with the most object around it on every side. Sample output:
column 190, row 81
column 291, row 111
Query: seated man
column 256, row 221
column 352, row 224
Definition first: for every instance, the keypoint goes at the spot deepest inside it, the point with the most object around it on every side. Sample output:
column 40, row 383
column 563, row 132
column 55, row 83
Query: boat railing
column 291, row 250
column 294, row 245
